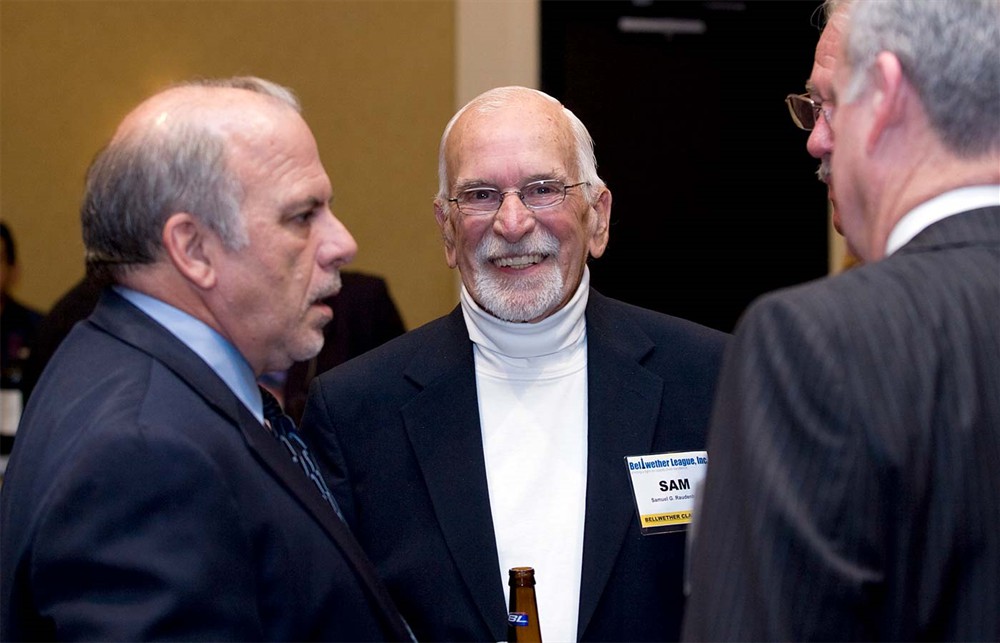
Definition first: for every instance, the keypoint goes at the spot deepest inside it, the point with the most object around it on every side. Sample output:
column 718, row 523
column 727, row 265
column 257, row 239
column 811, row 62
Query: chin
column 522, row 307
column 519, row 299
column 307, row 345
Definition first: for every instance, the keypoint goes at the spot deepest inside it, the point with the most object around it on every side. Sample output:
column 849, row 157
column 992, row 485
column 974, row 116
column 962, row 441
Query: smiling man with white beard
column 496, row 436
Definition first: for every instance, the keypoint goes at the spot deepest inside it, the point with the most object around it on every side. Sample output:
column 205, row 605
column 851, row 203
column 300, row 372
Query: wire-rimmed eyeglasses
column 805, row 111
column 536, row 195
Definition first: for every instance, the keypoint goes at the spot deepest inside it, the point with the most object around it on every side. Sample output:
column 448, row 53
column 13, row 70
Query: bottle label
column 518, row 619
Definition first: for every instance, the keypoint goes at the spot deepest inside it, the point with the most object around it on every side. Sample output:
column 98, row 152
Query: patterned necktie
column 283, row 428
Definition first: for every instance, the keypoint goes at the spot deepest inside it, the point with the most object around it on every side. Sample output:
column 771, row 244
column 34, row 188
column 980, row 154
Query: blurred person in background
column 18, row 327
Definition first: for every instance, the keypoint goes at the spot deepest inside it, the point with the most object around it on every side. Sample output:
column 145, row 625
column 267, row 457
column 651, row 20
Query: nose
column 820, row 142
column 337, row 246
column 514, row 219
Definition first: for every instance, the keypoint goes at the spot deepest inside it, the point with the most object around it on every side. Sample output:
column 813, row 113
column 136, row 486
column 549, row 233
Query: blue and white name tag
column 664, row 486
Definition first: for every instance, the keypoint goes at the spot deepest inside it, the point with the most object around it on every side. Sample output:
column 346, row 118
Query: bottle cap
column 522, row 577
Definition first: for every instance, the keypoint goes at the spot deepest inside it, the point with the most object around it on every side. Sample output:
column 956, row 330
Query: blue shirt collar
column 220, row 355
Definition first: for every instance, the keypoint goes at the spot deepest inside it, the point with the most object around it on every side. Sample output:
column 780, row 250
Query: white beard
column 518, row 298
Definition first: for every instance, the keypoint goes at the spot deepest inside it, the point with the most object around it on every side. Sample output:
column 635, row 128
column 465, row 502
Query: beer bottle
column 522, row 619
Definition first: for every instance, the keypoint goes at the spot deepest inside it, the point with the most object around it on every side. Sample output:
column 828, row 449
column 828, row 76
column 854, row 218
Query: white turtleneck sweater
column 532, row 386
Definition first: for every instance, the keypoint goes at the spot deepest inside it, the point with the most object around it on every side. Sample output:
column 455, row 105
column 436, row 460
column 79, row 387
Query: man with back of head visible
column 496, row 436
column 853, row 492
column 145, row 497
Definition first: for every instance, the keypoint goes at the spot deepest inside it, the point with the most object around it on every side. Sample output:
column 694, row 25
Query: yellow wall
column 376, row 79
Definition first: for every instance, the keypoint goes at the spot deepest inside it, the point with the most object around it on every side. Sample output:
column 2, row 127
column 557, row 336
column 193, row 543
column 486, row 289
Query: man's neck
column 926, row 175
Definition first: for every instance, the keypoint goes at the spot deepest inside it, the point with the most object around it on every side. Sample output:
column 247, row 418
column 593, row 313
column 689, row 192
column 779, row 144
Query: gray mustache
column 540, row 243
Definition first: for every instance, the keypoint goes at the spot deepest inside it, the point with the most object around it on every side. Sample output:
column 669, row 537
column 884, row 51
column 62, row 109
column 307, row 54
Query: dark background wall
column 715, row 198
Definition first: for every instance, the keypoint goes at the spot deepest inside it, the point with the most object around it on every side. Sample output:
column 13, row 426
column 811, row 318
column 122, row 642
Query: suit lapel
column 624, row 408
column 120, row 318
column 275, row 457
column 444, row 429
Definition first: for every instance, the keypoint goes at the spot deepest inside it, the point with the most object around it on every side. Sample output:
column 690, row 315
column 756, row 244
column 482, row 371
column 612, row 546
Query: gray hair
column 141, row 178
column 830, row 7
column 949, row 52
column 500, row 97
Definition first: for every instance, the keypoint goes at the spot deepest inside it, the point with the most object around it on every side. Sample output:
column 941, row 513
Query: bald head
column 529, row 104
column 218, row 106
column 169, row 155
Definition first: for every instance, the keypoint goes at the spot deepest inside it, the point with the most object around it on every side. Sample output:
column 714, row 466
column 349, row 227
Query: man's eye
column 480, row 195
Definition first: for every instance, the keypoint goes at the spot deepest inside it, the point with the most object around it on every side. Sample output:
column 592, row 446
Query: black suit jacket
column 853, row 488
column 399, row 429
column 144, row 501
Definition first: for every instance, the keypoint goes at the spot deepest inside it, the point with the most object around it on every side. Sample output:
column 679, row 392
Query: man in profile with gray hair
column 154, row 491
column 853, row 491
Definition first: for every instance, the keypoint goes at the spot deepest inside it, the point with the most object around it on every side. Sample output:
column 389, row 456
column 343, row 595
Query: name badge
column 664, row 486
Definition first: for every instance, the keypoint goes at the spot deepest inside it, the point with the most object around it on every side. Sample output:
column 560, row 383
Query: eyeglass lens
column 803, row 111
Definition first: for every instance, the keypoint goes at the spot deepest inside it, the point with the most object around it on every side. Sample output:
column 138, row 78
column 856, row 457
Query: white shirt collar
column 563, row 328
column 938, row 208
column 221, row 356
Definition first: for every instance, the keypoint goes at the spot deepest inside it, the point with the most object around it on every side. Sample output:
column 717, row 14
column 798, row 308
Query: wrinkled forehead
column 526, row 127
column 827, row 56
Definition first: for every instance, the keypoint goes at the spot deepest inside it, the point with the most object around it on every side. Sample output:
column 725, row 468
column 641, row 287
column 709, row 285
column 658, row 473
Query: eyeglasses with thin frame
column 537, row 195
column 805, row 111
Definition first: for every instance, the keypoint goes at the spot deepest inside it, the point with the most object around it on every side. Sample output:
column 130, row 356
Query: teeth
column 518, row 262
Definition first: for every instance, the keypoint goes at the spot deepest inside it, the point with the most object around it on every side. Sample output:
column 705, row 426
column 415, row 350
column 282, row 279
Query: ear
column 189, row 245
column 447, row 226
column 889, row 98
column 601, row 221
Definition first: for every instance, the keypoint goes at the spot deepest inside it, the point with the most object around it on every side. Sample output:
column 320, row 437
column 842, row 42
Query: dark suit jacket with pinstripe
column 853, row 487
column 143, row 501
column 403, row 438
